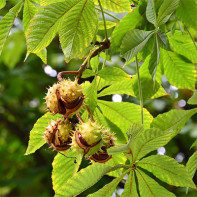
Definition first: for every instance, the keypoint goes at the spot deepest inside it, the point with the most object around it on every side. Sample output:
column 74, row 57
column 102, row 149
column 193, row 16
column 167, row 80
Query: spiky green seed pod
column 108, row 138
column 58, row 134
column 69, row 90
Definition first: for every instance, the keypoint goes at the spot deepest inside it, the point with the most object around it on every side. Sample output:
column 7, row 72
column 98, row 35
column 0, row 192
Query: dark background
column 22, row 88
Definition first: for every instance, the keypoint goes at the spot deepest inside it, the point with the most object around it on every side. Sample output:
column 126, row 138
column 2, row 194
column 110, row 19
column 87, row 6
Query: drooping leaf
column 187, row 12
column 178, row 72
column 130, row 188
column 63, row 169
column 120, row 87
column 133, row 42
column 118, row 6
column 183, row 44
column 6, row 23
column 154, row 59
column 36, row 139
column 193, row 99
column 168, row 170
column 150, row 12
column 103, row 120
column 84, row 179
column 147, row 141
column 109, row 25
column 113, row 74
column 2, row 4
column 28, row 12
column 192, row 164
column 78, row 29
column 166, row 10
column 172, row 120
column 163, row 40
column 128, row 23
column 149, row 187
column 91, row 95
column 124, row 114
column 43, row 55
column 108, row 189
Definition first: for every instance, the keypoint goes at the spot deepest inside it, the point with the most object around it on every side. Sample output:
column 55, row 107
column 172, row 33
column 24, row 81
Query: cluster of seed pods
column 87, row 138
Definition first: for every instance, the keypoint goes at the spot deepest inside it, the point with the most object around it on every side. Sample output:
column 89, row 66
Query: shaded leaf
column 6, row 23
column 193, row 99
column 167, row 170
column 36, row 139
column 150, row 12
column 194, row 144
column 78, row 29
column 149, row 187
column 133, row 42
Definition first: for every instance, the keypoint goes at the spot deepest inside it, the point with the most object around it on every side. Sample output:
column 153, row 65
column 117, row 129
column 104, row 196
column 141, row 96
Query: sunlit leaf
column 192, row 164
column 150, row 12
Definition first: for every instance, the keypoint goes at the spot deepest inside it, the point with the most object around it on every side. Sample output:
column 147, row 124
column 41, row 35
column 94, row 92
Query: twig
column 90, row 113
column 59, row 76
column 79, row 118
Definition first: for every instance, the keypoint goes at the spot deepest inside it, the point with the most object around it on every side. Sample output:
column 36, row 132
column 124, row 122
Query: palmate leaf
column 118, row 6
column 36, row 139
column 187, row 12
column 178, row 72
column 2, row 4
column 150, row 12
column 63, row 169
column 168, row 170
column 113, row 74
column 147, row 141
column 108, row 189
column 6, row 23
column 192, row 164
column 183, row 44
column 84, row 179
column 130, row 188
column 172, row 120
column 78, row 29
column 150, row 188
column 120, row 87
column 133, row 42
column 124, row 114
column 90, row 93
column 128, row 23
column 193, row 99
column 166, row 10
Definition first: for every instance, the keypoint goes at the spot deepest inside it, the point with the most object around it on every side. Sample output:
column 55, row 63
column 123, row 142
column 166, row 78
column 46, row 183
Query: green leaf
column 46, row 23
column 113, row 74
column 192, row 164
column 88, row 73
column 154, row 59
column 2, row 4
column 48, row 2
column 193, row 99
column 6, row 23
column 63, row 169
column 167, row 170
column 150, row 188
column 150, row 12
column 183, row 44
column 194, row 144
column 124, row 114
column 130, row 188
column 43, row 55
column 28, row 12
column 172, row 120
column 128, row 23
column 120, row 87
column 108, row 189
column 108, row 124
column 118, row 6
column 133, row 42
column 166, row 10
column 147, row 141
column 91, row 95
column 78, row 29
column 187, row 12
column 94, row 62
column 36, row 139
column 109, row 25
column 84, row 179
column 178, row 72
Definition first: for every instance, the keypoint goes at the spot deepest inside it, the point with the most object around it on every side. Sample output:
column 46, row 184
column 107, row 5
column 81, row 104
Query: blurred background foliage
column 22, row 88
